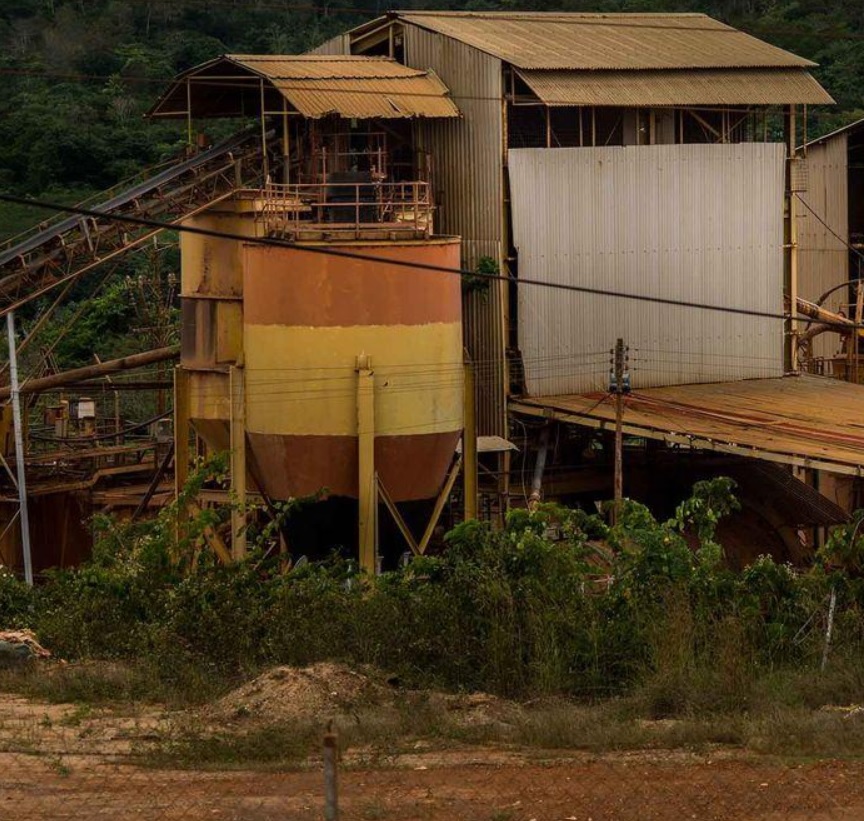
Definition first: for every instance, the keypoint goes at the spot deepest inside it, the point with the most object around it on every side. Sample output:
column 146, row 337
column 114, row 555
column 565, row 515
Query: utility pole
column 619, row 385
column 19, row 449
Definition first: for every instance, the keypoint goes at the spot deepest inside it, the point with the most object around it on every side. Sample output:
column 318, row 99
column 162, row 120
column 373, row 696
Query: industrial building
column 596, row 177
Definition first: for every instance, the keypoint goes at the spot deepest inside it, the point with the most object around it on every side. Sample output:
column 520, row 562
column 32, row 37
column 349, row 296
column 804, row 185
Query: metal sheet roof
column 314, row 85
column 606, row 41
column 798, row 420
column 666, row 87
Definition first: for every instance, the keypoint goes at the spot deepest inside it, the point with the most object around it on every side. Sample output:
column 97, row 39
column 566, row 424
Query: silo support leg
column 238, row 463
column 367, row 482
column 181, row 429
column 419, row 548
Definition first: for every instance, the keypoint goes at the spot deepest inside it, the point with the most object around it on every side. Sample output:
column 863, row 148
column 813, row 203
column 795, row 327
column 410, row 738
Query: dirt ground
column 70, row 762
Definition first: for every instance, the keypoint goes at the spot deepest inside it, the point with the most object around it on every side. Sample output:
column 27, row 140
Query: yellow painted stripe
column 302, row 380
column 208, row 395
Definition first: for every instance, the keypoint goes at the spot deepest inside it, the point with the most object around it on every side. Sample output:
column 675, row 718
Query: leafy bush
column 556, row 602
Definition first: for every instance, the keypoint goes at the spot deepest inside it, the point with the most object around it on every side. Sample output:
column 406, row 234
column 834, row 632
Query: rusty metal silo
column 307, row 320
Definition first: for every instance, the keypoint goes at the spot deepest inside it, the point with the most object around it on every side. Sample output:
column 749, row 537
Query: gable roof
column 538, row 40
column 315, row 86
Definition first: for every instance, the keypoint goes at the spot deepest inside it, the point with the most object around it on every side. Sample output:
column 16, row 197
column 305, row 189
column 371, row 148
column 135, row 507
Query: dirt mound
column 317, row 692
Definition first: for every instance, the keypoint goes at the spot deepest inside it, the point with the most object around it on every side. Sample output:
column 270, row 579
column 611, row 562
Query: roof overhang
column 805, row 421
column 676, row 87
column 314, row 86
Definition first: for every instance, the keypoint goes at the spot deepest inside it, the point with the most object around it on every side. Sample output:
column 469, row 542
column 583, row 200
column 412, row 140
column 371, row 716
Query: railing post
column 331, row 786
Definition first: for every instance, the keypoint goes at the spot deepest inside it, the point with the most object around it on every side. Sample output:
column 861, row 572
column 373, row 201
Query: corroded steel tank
column 307, row 317
column 298, row 320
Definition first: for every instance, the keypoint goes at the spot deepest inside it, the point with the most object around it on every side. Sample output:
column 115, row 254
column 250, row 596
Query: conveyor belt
column 73, row 245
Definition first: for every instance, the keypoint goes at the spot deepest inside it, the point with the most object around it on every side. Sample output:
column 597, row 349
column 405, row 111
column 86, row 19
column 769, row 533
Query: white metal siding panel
column 823, row 260
column 468, row 183
column 702, row 223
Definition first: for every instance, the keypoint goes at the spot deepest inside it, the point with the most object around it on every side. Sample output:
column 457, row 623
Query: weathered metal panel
column 339, row 44
column 702, row 223
column 350, row 86
column 823, row 260
column 771, row 86
column 468, row 184
column 605, row 41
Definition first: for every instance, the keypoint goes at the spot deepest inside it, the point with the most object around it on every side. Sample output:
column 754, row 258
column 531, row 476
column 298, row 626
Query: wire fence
column 62, row 761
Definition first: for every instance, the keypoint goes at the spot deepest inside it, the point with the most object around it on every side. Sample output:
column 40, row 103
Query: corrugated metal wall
column 468, row 183
column 823, row 260
column 335, row 45
column 693, row 222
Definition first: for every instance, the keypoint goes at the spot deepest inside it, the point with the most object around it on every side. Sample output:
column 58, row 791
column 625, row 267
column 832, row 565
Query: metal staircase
column 58, row 252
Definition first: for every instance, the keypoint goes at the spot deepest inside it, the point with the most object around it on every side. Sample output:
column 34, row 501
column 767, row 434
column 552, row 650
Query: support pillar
column 792, row 239
column 469, row 445
column 182, row 456
column 238, row 463
column 367, row 481
column 23, row 513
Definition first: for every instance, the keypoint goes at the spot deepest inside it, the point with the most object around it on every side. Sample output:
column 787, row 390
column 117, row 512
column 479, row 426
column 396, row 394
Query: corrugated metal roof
column 662, row 87
column 314, row 85
column 323, row 67
column 838, row 132
column 797, row 420
column 606, row 41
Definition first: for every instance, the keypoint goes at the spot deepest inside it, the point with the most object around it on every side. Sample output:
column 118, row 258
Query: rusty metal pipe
column 539, row 468
column 126, row 363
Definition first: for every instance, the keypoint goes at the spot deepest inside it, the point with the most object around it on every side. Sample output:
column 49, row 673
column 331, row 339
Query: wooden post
column 367, row 483
column 618, row 387
column 331, row 779
column 238, row 462
column 469, row 445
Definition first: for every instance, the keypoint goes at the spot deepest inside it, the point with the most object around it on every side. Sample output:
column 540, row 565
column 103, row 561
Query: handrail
column 368, row 204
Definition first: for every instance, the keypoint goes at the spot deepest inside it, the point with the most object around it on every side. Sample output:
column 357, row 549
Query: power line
column 273, row 242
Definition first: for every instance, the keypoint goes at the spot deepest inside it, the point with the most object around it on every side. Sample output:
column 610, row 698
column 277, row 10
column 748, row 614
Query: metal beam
column 692, row 441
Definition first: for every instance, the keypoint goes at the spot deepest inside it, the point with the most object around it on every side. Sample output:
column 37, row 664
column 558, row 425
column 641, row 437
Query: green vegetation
column 557, row 604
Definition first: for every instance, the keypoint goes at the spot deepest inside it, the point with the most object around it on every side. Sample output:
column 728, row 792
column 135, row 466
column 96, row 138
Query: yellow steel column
column 367, row 495
column 238, row 463
column 469, row 445
column 181, row 429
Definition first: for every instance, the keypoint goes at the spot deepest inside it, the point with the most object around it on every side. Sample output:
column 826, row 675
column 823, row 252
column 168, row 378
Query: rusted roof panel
column 662, row 87
column 807, row 421
column 382, row 97
column 606, row 41
column 314, row 85
column 323, row 67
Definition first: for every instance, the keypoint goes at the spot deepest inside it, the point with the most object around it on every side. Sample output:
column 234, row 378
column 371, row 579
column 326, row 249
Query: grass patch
column 99, row 683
